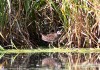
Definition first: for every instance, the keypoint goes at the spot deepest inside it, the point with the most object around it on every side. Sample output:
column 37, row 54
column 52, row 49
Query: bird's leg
column 58, row 44
column 51, row 45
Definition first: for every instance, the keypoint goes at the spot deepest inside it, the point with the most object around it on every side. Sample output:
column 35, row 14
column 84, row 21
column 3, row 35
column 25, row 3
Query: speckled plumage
column 52, row 37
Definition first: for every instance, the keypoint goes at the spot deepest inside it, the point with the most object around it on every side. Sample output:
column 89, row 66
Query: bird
column 50, row 63
column 51, row 37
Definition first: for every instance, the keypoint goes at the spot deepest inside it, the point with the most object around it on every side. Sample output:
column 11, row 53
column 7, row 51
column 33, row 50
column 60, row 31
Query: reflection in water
column 1, row 67
column 51, row 63
column 2, row 64
column 55, row 61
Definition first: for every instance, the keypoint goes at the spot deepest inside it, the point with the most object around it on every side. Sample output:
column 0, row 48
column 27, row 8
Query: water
column 69, row 61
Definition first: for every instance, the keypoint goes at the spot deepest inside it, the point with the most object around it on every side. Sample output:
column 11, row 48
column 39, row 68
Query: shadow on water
column 50, row 61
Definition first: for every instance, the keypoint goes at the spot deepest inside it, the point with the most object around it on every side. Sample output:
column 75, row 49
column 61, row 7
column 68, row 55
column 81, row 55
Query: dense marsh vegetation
column 23, row 21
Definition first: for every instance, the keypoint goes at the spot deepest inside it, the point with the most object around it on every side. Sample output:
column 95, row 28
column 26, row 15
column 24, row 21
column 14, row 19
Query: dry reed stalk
column 79, row 28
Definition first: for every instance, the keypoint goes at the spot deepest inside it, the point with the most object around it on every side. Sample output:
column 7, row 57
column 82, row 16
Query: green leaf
column 1, row 48
column 1, row 55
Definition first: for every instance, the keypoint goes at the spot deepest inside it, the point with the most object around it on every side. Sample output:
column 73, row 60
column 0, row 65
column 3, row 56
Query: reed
column 23, row 21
